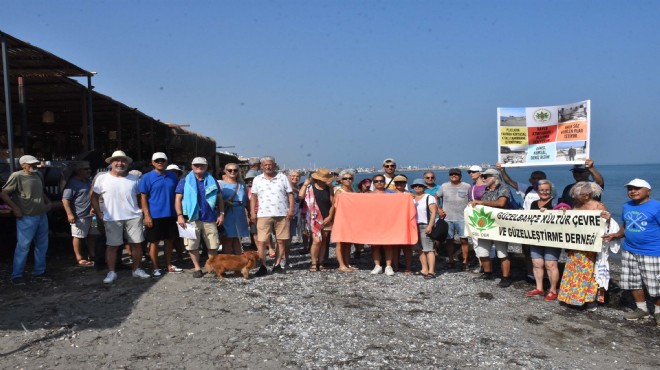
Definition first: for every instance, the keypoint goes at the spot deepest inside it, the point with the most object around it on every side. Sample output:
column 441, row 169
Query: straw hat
column 323, row 174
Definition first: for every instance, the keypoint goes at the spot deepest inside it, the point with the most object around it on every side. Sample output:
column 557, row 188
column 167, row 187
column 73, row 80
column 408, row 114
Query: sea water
column 615, row 177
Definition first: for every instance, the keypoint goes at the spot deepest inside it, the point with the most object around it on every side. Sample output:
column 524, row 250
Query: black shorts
column 163, row 229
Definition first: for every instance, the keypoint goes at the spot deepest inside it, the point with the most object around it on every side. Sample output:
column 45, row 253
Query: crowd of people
column 132, row 210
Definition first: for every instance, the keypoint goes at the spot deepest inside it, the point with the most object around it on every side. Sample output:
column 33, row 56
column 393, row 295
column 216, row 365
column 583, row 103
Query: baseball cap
column 639, row 183
column 491, row 171
column 400, row 178
column 158, row 155
column 199, row 160
column 476, row 168
column 173, row 167
column 28, row 159
column 389, row 160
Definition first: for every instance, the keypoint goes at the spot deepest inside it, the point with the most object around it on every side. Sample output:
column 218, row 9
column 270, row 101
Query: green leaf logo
column 481, row 220
column 542, row 115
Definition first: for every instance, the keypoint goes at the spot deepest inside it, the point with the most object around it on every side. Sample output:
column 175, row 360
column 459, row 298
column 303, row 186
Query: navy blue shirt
column 206, row 213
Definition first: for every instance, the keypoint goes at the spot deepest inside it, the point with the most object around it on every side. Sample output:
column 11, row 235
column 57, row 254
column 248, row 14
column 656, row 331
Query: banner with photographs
column 579, row 230
column 534, row 136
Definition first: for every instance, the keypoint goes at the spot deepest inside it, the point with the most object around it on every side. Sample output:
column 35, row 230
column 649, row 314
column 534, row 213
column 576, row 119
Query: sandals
column 313, row 268
column 322, row 268
column 429, row 276
column 85, row 263
column 345, row 269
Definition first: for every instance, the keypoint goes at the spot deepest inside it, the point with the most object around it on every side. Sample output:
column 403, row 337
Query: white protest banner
column 533, row 136
column 580, row 230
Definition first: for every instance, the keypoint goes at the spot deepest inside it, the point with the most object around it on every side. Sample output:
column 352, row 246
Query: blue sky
column 348, row 83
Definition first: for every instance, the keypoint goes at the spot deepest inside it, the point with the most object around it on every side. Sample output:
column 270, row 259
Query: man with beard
column 24, row 194
column 497, row 196
column 120, row 213
column 389, row 169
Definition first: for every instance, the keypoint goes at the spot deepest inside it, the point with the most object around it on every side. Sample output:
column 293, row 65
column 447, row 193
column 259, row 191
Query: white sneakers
column 156, row 273
column 389, row 271
column 110, row 278
column 139, row 273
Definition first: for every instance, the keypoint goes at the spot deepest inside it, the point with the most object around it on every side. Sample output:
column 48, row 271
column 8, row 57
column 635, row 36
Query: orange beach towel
column 381, row 219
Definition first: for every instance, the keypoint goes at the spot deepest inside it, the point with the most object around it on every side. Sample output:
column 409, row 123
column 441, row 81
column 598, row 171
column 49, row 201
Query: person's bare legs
column 465, row 249
column 376, row 254
column 537, row 264
column 76, row 249
column 136, row 254
column 553, row 274
column 153, row 254
column 111, row 256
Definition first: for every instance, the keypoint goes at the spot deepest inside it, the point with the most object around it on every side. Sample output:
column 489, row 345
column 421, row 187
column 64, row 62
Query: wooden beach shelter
column 46, row 112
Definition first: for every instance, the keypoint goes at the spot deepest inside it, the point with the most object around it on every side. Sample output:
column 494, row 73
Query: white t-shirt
column 422, row 217
column 119, row 197
column 529, row 198
column 272, row 195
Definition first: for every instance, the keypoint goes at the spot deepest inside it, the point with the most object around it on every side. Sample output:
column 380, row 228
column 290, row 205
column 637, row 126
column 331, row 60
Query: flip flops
column 85, row 263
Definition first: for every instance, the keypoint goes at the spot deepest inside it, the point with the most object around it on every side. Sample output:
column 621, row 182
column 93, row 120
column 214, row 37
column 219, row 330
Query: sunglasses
column 379, row 181
column 347, row 178
column 473, row 172
column 486, row 176
column 231, row 170
column 390, row 166
column 430, row 177
column 198, row 165
column 160, row 160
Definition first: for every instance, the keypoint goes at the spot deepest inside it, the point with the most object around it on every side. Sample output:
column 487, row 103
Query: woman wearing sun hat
column 318, row 197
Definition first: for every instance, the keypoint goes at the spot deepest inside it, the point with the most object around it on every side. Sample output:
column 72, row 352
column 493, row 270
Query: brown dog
column 232, row 262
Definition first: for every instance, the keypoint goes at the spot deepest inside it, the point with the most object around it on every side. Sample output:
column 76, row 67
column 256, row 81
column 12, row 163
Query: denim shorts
column 545, row 253
column 456, row 228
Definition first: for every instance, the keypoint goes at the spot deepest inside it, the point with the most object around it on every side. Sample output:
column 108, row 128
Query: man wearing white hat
column 24, row 193
column 641, row 248
column 157, row 201
column 120, row 213
column 198, row 201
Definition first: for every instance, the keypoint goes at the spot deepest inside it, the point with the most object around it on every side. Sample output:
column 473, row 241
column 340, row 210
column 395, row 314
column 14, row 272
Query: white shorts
column 80, row 229
column 129, row 231
column 482, row 249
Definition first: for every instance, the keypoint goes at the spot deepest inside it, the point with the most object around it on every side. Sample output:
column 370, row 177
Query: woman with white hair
column 578, row 284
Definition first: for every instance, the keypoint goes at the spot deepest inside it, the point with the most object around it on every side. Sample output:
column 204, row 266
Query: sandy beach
column 306, row 320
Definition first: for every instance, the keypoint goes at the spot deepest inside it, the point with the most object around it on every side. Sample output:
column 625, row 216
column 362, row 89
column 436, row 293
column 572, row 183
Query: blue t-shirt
column 432, row 191
column 206, row 213
column 77, row 192
column 160, row 191
column 642, row 228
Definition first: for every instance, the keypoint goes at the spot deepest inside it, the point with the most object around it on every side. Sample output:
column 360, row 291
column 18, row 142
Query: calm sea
column 616, row 176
